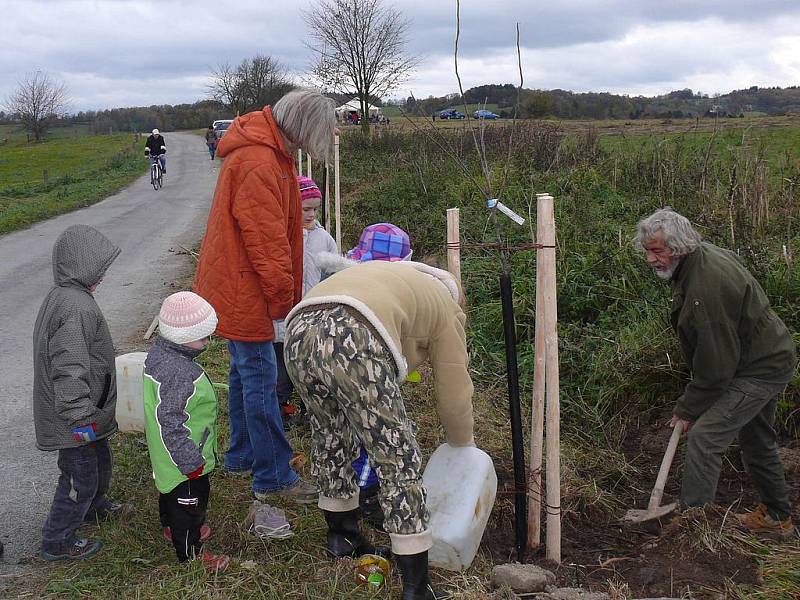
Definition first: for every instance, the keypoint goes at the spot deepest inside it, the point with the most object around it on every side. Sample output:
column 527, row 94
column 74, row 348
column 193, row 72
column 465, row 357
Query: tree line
column 564, row 104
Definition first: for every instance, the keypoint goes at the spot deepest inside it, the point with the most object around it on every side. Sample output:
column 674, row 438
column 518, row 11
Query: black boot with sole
column 345, row 537
column 416, row 580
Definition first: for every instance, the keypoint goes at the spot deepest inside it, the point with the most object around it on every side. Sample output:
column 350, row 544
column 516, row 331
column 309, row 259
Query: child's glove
column 196, row 473
column 85, row 433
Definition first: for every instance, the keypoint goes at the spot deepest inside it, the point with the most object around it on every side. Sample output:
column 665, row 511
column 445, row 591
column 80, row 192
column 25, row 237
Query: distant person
column 180, row 409
column 156, row 148
column 251, row 271
column 741, row 356
column 316, row 240
column 211, row 141
column 75, row 391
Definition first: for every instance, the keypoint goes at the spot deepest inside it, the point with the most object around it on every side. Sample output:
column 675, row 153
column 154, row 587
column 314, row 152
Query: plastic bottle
column 372, row 570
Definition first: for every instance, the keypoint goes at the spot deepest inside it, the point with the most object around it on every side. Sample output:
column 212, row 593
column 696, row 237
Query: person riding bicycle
column 155, row 147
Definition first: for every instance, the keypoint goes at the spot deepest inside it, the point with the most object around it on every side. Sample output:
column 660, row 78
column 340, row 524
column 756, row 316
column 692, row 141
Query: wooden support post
column 546, row 216
column 299, row 161
column 308, row 171
column 336, row 197
column 454, row 243
column 537, row 408
column 326, row 198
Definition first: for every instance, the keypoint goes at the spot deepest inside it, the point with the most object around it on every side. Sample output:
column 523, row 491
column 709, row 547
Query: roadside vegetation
column 621, row 367
column 67, row 170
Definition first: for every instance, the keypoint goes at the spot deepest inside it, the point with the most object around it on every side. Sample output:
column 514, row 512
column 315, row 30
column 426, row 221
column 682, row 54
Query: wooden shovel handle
column 666, row 463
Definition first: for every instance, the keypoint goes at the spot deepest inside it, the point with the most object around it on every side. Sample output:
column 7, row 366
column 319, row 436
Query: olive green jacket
column 726, row 328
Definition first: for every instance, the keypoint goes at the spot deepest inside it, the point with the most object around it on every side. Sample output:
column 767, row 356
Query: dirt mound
column 699, row 550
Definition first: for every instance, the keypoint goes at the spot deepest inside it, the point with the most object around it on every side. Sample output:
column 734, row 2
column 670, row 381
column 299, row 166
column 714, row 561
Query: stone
column 575, row 594
column 522, row 579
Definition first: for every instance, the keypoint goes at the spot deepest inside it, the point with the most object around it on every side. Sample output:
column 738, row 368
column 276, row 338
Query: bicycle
column 156, row 173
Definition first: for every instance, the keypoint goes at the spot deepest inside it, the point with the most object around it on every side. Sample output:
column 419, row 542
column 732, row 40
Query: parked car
column 485, row 114
column 221, row 126
column 451, row 114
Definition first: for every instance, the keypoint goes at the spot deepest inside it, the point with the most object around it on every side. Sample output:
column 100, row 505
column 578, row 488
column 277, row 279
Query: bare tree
column 253, row 84
column 38, row 100
column 359, row 48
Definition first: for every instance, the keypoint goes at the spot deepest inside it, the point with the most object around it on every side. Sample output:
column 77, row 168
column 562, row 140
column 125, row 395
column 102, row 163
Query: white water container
column 130, row 404
column 461, row 485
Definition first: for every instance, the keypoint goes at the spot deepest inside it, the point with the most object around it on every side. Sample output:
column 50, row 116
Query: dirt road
column 150, row 227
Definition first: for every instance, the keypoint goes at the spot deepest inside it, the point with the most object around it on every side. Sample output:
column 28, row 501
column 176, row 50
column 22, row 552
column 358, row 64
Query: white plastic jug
column 130, row 405
column 461, row 485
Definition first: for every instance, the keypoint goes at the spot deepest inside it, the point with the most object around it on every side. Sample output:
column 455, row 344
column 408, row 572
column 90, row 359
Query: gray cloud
column 134, row 52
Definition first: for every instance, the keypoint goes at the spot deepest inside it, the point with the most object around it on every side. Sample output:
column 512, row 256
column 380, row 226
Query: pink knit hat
column 308, row 189
column 186, row 317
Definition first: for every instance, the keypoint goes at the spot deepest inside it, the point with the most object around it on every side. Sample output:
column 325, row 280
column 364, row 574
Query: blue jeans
column 257, row 438
column 80, row 493
column 211, row 150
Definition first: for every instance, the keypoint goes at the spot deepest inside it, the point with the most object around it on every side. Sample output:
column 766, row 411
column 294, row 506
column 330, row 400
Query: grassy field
column 620, row 365
column 68, row 170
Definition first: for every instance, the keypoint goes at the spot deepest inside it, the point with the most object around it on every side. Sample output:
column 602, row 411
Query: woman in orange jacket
column 251, row 271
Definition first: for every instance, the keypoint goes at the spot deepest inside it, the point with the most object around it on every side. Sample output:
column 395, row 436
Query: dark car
column 451, row 114
column 485, row 114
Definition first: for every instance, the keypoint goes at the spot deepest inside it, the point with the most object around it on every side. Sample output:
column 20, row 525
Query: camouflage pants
column 348, row 380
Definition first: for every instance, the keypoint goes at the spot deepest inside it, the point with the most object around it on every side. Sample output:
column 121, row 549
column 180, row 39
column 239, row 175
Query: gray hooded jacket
column 74, row 375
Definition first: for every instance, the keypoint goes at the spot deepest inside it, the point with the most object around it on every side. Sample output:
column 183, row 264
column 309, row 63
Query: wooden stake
column 152, row 328
column 327, row 192
column 537, row 406
column 553, row 413
column 308, row 172
column 336, row 198
column 454, row 243
column 299, row 161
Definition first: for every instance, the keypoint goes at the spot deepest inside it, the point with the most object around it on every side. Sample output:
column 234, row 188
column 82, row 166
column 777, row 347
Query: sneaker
column 760, row 523
column 205, row 533
column 80, row 549
column 215, row 562
column 301, row 492
column 112, row 511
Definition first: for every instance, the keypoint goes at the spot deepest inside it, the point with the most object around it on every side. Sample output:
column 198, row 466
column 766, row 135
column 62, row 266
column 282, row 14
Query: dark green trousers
column 746, row 410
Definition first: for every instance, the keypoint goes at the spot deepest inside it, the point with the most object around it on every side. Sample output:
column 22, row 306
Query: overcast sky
column 113, row 53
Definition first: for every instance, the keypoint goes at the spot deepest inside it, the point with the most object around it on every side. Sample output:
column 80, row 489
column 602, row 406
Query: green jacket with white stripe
column 180, row 410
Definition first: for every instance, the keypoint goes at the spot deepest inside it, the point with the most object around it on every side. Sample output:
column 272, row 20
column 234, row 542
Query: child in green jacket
column 180, row 408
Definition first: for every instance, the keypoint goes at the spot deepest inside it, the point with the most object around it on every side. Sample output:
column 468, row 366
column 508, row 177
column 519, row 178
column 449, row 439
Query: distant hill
column 601, row 105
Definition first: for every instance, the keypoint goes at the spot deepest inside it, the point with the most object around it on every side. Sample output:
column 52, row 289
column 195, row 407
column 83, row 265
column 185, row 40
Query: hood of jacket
column 257, row 128
column 81, row 255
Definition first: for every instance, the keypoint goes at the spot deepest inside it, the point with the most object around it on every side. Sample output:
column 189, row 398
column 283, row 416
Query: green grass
column 68, row 170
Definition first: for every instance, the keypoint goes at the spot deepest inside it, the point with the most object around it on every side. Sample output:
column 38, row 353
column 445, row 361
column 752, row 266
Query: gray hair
column 308, row 119
column 675, row 231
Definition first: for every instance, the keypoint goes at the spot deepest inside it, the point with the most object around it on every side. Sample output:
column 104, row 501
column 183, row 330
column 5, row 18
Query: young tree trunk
column 365, row 114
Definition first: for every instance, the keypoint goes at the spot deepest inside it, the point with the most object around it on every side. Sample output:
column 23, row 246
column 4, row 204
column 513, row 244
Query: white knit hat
column 186, row 317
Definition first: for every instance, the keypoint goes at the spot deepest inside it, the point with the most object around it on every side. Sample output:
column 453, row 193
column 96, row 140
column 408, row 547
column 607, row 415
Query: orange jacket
column 251, row 258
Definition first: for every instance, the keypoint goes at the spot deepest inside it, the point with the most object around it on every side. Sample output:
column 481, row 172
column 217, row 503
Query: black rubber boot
column 416, row 581
column 345, row 537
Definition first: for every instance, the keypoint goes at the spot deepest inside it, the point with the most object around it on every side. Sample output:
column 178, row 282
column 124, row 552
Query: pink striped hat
column 308, row 189
column 186, row 317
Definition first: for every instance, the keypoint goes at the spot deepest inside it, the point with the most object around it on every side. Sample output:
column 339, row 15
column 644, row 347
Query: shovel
column 654, row 510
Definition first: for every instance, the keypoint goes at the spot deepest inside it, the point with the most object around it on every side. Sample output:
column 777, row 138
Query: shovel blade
column 640, row 515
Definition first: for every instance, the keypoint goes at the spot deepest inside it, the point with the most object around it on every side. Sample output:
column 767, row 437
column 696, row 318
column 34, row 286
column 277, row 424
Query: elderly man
column 251, row 272
column 741, row 356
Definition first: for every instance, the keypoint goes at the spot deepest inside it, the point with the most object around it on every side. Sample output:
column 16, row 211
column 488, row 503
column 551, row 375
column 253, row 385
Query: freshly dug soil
column 659, row 558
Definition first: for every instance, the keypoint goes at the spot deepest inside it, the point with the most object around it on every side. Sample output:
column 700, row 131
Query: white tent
column 354, row 106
